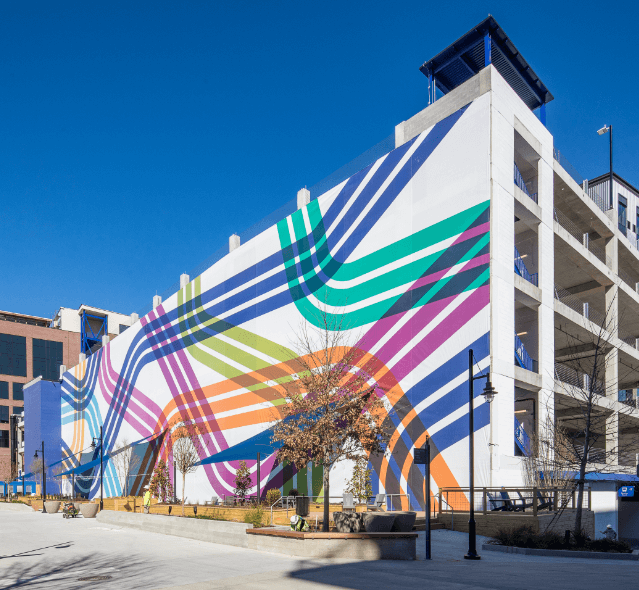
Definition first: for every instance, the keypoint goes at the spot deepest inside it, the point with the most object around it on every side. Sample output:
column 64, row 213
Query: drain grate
column 94, row 578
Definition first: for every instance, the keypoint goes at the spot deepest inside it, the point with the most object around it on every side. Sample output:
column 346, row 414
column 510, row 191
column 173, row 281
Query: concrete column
column 184, row 280
column 63, row 370
column 303, row 197
column 612, row 252
column 134, row 318
column 612, row 326
column 82, row 357
column 157, row 300
column 234, row 242
column 612, row 438
column 105, row 340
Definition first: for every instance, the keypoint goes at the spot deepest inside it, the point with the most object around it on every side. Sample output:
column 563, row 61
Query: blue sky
column 137, row 136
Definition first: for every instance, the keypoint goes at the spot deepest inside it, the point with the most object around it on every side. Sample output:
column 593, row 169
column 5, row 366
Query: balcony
column 519, row 181
column 627, row 397
column 577, row 380
column 522, row 271
column 522, row 358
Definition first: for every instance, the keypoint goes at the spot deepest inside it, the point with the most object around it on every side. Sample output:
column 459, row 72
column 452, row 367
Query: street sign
column 420, row 457
column 626, row 492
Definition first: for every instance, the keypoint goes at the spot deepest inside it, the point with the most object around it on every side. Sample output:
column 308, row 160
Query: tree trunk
column 326, row 499
column 183, row 481
column 584, row 458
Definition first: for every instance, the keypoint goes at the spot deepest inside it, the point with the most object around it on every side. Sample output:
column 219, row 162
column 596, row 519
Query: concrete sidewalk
column 45, row 551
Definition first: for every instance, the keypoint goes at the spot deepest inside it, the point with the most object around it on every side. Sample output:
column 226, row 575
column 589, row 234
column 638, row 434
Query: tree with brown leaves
column 188, row 449
column 334, row 408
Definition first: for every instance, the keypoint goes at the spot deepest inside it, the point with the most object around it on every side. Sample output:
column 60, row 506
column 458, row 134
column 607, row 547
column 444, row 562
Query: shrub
column 609, row 546
column 272, row 496
column 294, row 493
column 254, row 516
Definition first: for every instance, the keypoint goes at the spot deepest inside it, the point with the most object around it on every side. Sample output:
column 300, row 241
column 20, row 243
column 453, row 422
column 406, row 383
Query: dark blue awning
column 247, row 449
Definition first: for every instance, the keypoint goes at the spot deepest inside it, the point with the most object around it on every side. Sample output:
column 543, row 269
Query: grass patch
column 215, row 515
column 525, row 536
column 255, row 516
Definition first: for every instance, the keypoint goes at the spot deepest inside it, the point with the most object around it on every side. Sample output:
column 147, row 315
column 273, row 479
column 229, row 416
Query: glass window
column 122, row 328
column 47, row 358
column 17, row 392
column 4, row 390
column 13, row 355
column 622, row 213
column 4, row 439
column 4, row 414
column 17, row 410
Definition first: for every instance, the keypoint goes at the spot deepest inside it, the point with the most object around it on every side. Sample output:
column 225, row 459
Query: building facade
column 471, row 234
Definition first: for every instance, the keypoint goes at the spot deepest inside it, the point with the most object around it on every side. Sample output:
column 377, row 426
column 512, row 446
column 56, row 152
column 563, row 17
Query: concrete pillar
column 303, row 197
column 134, row 318
column 612, row 438
column 234, row 242
column 184, row 280
column 157, row 300
column 612, row 252
column 82, row 357
column 612, row 327
column 105, row 340
column 63, row 370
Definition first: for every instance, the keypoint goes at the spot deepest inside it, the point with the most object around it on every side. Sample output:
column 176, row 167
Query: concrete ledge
column 213, row 531
column 365, row 546
column 634, row 556
column 15, row 507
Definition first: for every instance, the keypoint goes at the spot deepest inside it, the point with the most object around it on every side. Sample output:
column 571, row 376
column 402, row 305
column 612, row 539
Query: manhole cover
column 94, row 578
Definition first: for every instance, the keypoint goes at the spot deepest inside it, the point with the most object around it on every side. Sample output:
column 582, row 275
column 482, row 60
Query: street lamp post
column 489, row 393
column 93, row 443
column 44, row 480
column 605, row 129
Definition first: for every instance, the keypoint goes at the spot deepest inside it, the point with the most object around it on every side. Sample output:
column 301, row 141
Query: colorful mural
column 401, row 249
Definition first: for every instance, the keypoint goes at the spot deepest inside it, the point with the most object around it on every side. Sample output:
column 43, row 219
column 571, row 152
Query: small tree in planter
column 188, row 449
column 242, row 481
column 360, row 484
column 160, row 485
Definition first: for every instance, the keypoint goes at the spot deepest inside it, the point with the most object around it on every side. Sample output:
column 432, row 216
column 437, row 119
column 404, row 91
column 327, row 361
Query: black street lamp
column 603, row 131
column 489, row 393
column 44, row 480
column 93, row 443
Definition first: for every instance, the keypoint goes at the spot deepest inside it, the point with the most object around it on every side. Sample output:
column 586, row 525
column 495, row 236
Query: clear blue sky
column 137, row 136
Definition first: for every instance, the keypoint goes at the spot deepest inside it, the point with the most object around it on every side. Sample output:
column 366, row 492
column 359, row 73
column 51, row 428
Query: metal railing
column 521, row 183
column 522, row 356
column 522, row 270
column 578, row 234
column 599, row 194
column 581, row 307
column 578, row 379
column 497, row 501
column 627, row 397
column 567, row 166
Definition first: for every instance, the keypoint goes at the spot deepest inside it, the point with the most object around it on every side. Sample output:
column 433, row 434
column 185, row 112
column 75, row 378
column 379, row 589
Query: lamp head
column 93, row 444
column 36, row 455
column 603, row 130
column 489, row 391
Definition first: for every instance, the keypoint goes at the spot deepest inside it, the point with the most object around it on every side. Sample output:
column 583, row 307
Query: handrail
column 522, row 270
column 522, row 354
column 391, row 503
column 452, row 510
column 521, row 183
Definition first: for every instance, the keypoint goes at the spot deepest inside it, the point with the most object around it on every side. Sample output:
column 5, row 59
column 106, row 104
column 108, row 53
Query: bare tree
column 35, row 467
column 188, row 449
column 334, row 410
column 590, row 375
column 125, row 462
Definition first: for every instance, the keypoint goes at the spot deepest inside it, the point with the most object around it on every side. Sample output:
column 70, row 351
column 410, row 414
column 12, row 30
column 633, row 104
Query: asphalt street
column 46, row 551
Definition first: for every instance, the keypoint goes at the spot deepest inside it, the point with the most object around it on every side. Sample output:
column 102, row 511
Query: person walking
column 147, row 500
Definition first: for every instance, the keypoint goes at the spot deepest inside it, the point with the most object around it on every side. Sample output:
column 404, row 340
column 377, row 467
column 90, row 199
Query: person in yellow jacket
column 147, row 501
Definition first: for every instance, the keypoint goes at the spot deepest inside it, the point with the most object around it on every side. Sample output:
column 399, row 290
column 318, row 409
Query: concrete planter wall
column 378, row 522
column 89, row 510
column 213, row 531
column 52, row 507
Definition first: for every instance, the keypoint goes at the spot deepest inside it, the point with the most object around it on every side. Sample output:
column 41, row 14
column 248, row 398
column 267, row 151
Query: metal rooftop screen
column 485, row 44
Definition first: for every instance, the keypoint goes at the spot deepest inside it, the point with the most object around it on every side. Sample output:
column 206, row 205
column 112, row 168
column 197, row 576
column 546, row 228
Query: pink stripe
column 472, row 232
column 436, row 276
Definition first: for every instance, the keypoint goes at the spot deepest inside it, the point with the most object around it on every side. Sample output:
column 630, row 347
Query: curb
column 634, row 556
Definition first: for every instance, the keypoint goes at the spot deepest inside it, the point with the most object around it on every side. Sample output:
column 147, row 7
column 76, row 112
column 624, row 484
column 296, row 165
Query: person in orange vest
column 147, row 500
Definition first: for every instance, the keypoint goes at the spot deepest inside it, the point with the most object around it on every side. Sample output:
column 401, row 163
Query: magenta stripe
column 473, row 263
column 472, row 232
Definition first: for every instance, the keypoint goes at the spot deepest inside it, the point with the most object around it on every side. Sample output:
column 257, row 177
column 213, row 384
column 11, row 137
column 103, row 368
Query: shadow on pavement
column 30, row 553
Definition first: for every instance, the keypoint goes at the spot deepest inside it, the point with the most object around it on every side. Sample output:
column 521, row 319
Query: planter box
column 404, row 522
column 89, row 510
column 213, row 531
column 365, row 546
column 378, row 522
column 52, row 507
column 348, row 522
column 634, row 556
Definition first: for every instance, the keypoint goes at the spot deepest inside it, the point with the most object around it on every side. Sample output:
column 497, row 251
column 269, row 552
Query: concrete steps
column 420, row 524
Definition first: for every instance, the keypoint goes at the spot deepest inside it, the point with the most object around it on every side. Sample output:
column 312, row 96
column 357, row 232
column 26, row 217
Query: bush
column 255, row 516
column 273, row 496
column 294, row 493
column 525, row 536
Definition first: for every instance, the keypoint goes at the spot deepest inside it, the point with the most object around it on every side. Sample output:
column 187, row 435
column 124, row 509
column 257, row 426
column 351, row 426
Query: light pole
column 603, row 131
column 44, row 480
column 93, row 443
column 489, row 393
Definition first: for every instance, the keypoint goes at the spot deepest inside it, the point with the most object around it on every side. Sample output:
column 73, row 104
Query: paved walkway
column 46, row 551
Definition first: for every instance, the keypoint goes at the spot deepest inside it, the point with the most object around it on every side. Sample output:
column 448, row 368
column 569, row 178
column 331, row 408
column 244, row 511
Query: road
column 46, row 551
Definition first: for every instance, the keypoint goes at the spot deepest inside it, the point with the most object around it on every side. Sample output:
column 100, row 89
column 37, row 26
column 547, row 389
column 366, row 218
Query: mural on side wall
column 401, row 249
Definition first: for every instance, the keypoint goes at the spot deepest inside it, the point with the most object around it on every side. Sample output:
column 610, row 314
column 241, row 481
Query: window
column 4, row 439
column 622, row 214
column 17, row 410
column 13, row 355
column 47, row 358
column 18, row 394
column 122, row 328
column 4, row 390
column 4, row 414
